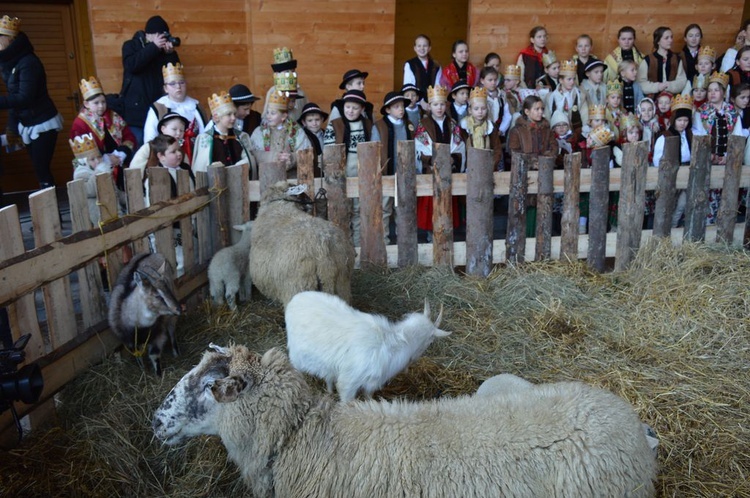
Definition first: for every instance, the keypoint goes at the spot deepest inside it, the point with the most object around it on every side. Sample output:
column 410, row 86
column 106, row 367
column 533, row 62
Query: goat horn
column 426, row 308
column 439, row 317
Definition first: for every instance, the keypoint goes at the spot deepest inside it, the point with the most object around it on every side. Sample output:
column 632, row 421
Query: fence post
column 544, row 199
column 599, row 208
column 442, row 206
column 203, row 220
column 269, row 174
column 727, row 217
column 135, row 201
column 515, row 238
column 219, row 208
column 479, row 204
column 666, row 191
column 334, row 158
column 632, row 201
column 406, row 205
column 696, row 208
column 186, row 224
column 238, row 198
column 107, row 201
column 571, row 208
column 306, row 170
column 370, row 181
column 159, row 190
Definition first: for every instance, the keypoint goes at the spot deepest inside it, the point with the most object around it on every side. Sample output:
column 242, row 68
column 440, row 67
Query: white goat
column 329, row 339
column 228, row 270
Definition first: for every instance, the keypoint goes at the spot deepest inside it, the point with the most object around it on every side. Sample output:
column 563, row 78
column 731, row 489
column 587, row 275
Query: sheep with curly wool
column 288, row 440
column 354, row 350
column 293, row 251
column 228, row 270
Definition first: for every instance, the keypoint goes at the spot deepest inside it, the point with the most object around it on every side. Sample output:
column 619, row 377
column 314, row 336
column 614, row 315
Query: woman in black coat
column 33, row 117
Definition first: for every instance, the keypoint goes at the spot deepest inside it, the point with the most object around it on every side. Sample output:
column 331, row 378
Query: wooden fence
column 74, row 332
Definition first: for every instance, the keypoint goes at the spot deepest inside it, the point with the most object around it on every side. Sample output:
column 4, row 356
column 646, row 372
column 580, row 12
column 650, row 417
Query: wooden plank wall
column 503, row 27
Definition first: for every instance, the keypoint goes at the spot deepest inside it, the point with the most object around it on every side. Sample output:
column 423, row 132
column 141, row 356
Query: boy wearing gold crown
column 551, row 77
column 89, row 162
column 568, row 98
column 478, row 131
column 285, row 80
column 614, row 109
column 221, row 142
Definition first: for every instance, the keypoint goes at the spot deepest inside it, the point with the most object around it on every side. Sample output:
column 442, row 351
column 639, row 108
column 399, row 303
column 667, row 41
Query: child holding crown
column 89, row 162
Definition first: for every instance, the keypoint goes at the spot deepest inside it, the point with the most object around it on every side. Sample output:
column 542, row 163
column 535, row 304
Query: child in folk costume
column 460, row 68
column 646, row 112
column 511, row 85
column 583, row 57
column 248, row 119
column 220, row 141
column 393, row 128
column 568, row 98
column 550, row 79
column 662, row 69
column 437, row 127
column 699, row 90
column 626, row 51
column 285, row 63
column 351, row 129
column 478, row 130
column 614, row 109
column 493, row 60
column 740, row 98
column 353, row 79
column 740, row 73
column 422, row 71
column 597, row 117
column 498, row 112
column 631, row 89
column 171, row 124
column 593, row 87
column 89, row 162
column 530, row 58
column 413, row 110
column 704, row 66
column 459, row 100
column 664, row 109
column 311, row 121
column 689, row 54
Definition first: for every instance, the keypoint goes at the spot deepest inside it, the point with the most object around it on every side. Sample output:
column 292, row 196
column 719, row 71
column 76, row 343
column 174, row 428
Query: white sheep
column 294, row 251
column 354, row 350
column 287, row 440
column 228, row 270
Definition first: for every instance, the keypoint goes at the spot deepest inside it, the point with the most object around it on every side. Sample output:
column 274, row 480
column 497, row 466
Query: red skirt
column 424, row 213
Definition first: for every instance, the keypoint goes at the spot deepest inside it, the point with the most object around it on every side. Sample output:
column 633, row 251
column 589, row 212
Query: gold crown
column 568, row 68
column 172, row 72
column 512, row 72
column 549, row 58
column 90, row 87
column 601, row 135
column 437, row 94
column 478, row 93
column 682, row 102
column 10, row 26
column 279, row 101
column 285, row 82
column 84, row 146
column 221, row 104
column 721, row 78
column 597, row 111
column 707, row 53
column 614, row 87
column 700, row 81
column 281, row 55
column 628, row 120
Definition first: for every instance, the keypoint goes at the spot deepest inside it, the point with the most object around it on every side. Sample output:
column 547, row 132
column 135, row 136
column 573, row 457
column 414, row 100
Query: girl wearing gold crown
column 705, row 62
column 662, row 69
column 478, row 131
column 33, row 118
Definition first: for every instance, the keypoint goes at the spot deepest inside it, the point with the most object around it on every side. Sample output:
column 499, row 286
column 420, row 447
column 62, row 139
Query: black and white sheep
column 293, row 251
column 288, row 440
column 354, row 350
column 228, row 270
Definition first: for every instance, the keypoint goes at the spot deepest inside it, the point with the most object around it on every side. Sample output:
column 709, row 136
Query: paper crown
column 549, row 58
column 221, row 104
column 10, row 26
column 84, row 146
column 90, row 87
column 700, row 81
column 682, row 102
column 614, row 87
column 568, row 68
column 601, row 135
column 478, row 93
column 706, row 53
column 512, row 72
column 628, row 120
column 172, row 72
column 285, row 82
column 597, row 111
column 278, row 101
column 721, row 78
column 437, row 94
column 282, row 54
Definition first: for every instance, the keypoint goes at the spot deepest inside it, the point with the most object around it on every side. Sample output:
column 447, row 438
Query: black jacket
column 28, row 100
column 142, row 80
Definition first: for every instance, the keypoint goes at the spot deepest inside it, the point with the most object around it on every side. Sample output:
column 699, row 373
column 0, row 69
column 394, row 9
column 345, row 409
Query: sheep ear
column 439, row 317
column 274, row 355
column 219, row 349
column 228, row 389
column 297, row 189
column 426, row 308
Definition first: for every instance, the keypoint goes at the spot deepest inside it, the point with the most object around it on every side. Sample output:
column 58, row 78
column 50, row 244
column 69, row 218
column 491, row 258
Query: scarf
column 479, row 133
column 530, row 51
column 109, row 122
column 290, row 127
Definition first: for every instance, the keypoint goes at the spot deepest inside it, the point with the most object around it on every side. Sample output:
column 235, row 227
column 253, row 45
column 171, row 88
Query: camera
column 25, row 384
column 174, row 40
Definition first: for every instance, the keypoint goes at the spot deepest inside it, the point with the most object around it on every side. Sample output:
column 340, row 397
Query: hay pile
column 671, row 335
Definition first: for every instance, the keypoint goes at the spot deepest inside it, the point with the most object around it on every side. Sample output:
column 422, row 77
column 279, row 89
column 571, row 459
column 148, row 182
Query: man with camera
column 142, row 84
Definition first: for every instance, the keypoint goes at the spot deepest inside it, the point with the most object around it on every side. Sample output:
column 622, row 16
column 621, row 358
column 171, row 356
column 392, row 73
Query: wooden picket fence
column 75, row 334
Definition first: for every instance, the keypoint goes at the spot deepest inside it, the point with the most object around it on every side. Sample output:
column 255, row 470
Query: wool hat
column 169, row 117
column 356, row 96
column 156, row 24
column 558, row 117
column 593, row 64
column 350, row 75
column 242, row 95
column 411, row 87
column 311, row 108
column 458, row 85
column 391, row 98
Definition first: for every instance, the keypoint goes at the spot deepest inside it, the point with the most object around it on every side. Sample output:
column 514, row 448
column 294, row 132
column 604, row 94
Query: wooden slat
column 598, row 212
column 372, row 244
column 159, row 189
column 136, row 202
column 515, row 240
column 727, row 216
column 186, row 224
column 544, row 208
column 442, row 206
column 406, row 204
column 334, row 158
column 697, row 191
column 666, row 193
column 203, row 221
column 239, row 208
column 571, row 208
column 106, row 198
column 479, row 204
column 219, row 207
column 632, row 199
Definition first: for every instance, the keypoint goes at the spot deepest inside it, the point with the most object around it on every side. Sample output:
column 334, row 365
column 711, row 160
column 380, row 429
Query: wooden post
column 334, row 158
column 238, row 196
column 305, row 170
column 219, row 208
column 544, row 201
column 203, row 221
column 370, row 179
column 515, row 238
column 442, row 207
column 106, row 198
column 479, row 204
column 571, row 208
column 406, row 205
column 632, row 201
column 727, row 217
column 186, row 223
column 696, row 208
column 666, row 192
column 598, row 208
column 159, row 189
column 136, row 202
column 270, row 173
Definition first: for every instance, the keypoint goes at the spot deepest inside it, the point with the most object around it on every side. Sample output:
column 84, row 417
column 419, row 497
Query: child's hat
column 350, row 75
column 411, row 87
column 700, row 81
column 593, row 64
column 278, row 101
column 597, row 111
column 627, row 121
column 169, row 117
column 221, row 104
column 286, row 83
column 311, row 108
column 720, row 78
column 10, row 26
column 173, row 72
column 664, row 93
column 437, row 94
column 614, row 86
column 90, row 87
column 391, row 98
column 706, row 52
column 242, row 95
column 601, row 135
column 156, row 24
column 84, row 146
column 568, row 68
column 682, row 107
column 458, row 85
column 512, row 72
column 549, row 58
column 478, row 94
column 356, row 96
column 559, row 117
column 283, row 60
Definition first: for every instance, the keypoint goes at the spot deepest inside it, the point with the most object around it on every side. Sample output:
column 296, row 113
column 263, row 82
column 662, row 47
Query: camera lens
column 25, row 385
column 175, row 41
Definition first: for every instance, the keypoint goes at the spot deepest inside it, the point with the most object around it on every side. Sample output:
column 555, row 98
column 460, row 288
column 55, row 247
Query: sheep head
column 284, row 191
